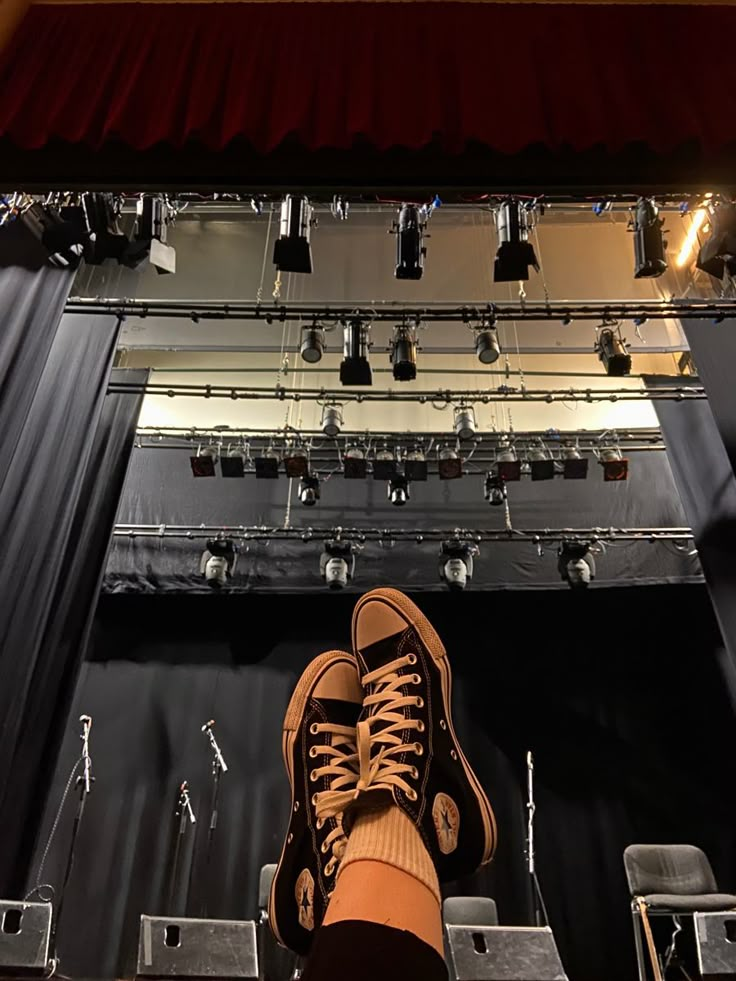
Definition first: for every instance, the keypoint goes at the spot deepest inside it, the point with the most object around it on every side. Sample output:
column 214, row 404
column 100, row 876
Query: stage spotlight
column 384, row 464
column 456, row 563
column 355, row 368
column 515, row 252
column 410, row 251
column 267, row 464
column 465, row 421
column 615, row 465
column 494, row 489
column 233, row 463
column 449, row 463
column 296, row 461
column 309, row 490
column 575, row 564
column 404, row 353
column 331, row 419
column 292, row 251
column 337, row 564
column 541, row 465
column 217, row 564
column 718, row 254
column 313, row 344
column 63, row 240
column 153, row 215
column 415, row 464
column 398, row 490
column 507, row 463
column 650, row 257
column 487, row 346
column 574, row 465
column 355, row 465
column 100, row 212
column 203, row 464
column 612, row 352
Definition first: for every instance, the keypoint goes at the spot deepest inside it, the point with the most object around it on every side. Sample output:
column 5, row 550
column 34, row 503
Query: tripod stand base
column 183, row 947
column 25, row 938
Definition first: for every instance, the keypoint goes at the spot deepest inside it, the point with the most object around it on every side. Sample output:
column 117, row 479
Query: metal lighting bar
column 444, row 397
column 363, row 535
column 464, row 313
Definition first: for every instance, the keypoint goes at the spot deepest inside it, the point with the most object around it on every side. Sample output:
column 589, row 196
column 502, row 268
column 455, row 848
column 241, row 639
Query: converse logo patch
column 304, row 892
column 446, row 819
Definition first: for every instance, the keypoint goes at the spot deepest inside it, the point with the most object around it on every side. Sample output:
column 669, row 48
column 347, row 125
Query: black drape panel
column 617, row 692
column 61, row 471
column 702, row 466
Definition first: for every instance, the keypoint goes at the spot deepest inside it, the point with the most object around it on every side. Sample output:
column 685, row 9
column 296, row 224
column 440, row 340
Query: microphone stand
column 84, row 784
column 219, row 766
column 540, row 910
column 185, row 814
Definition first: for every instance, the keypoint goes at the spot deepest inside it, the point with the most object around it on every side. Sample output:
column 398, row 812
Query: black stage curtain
column 62, row 463
column 618, row 694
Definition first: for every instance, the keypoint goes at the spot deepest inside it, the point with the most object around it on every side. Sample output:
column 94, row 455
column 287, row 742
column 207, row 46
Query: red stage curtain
column 341, row 75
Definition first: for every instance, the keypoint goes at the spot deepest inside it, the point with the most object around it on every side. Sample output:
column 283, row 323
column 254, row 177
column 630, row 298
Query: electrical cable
column 45, row 885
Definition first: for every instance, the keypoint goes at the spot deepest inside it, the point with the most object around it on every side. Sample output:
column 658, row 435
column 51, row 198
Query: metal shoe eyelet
column 453, row 754
column 290, row 838
column 414, row 773
column 419, row 749
column 329, row 869
column 313, row 776
column 314, row 799
column 412, row 658
column 443, row 724
column 416, row 680
column 420, row 702
column 320, row 823
column 323, row 848
column 411, row 794
column 420, row 726
column 296, row 805
column 313, row 729
column 313, row 752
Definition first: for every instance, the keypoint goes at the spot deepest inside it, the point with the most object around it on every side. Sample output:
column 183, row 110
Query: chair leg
column 641, row 963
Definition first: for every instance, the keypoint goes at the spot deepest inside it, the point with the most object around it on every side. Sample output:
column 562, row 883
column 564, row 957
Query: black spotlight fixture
column 515, row 252
column 404, row 353
column 313, row 344
column 415, row 464
column 574, row 464
column 232, row 464
column 409, row 229
column 541, row 465
column 576, row 564
column 296, row 461
column 384, row 464
column 337, row 564
column 100, row 212
column 650, row 247
column 217, row 564
column 309, row 490
column 614, row 463
column 153, row 216
column 612, row 352
column 203, row 464
column 507, row 462
column 267, row 464
column 354, row 463
column 494, row 489
column 292, row 251
column 398, row 490
column 62, row 239
column 449, row 463
column 456, row 563
column 355, row 368
column 718, row 255
column 487, row 346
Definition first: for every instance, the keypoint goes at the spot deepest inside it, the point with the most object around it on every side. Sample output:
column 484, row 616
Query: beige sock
column 389, row 836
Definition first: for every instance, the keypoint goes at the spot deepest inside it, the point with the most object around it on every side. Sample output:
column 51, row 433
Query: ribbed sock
column 388, row 835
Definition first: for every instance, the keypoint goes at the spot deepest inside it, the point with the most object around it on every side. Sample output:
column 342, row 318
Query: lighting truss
column 359, row 536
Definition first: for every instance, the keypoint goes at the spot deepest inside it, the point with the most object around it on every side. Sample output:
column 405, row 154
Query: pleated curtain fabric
column 63, row 453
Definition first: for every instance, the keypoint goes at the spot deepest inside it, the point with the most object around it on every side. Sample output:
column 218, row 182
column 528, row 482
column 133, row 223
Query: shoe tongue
column 340, row 712
column 383, row 651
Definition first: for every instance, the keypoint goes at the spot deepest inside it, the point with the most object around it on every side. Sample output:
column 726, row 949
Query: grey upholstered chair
column 672, row 880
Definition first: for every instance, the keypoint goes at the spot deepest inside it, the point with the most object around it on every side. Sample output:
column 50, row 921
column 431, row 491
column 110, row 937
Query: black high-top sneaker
column 407, row 748
column 320, row 756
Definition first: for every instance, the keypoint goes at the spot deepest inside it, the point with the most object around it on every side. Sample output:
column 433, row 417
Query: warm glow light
column 690, row 239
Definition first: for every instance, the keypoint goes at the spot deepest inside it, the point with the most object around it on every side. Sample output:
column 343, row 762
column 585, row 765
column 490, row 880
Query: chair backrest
column 672, row 870
column 470, row 911
column 264, row 885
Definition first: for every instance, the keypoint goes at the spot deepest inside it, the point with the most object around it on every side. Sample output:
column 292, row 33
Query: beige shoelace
column 341, row 768
column 381, row 730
